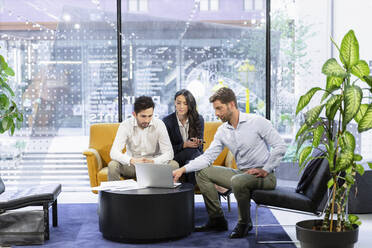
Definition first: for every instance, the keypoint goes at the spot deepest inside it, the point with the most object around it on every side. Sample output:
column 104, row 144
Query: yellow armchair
column 102, row 136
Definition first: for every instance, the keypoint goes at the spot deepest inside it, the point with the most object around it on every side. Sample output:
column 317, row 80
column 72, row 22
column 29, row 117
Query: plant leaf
column 9, row 71
column 318, row 134
column 330, row 183
column 353, row 219
column 304, row 154
column 333, row 83
column 4, row 101
column 347, row 141
column 332, row 105
column 368, row 80
column 360, row 70
column 350, row 179
column 361, row 112
column 303, row 139
column 366, row 122
column 353, row 97
column 332, row 68
column 305, row 99
column 349, row 50
column 6, row 123
column 357, row 157
column 360, row 169
column 369, row 164
column 3, row 64
column 11, row 128
column 344, row 160
column 302, row 129
column 312, row 115
column 6, row 86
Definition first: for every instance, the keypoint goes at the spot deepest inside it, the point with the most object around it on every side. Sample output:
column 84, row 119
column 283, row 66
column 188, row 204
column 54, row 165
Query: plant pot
column 310, row 238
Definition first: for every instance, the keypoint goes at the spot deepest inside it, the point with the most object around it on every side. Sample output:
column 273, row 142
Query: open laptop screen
column 155, row 175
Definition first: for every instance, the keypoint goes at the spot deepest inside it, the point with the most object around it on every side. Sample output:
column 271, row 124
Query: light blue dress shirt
column 250, row 144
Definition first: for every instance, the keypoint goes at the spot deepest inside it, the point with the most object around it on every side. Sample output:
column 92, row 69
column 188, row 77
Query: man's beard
column 227, row 117
column 144, row 124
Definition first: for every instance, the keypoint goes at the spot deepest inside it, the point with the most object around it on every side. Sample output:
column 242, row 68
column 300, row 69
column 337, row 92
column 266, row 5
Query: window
column 209, row 5
column 254, row 5
column 137, row 6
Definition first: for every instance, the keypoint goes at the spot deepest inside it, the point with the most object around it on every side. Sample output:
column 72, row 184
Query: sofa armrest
column 94, row 162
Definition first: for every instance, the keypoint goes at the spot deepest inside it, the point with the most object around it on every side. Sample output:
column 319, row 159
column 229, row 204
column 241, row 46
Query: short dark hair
column 142, row 103
column 224, row 95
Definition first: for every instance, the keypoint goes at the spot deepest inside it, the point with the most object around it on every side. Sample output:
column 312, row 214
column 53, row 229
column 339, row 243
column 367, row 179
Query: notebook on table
column 155, row 175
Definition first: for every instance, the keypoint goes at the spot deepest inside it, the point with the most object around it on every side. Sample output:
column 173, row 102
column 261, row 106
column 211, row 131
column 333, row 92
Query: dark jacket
column 310, row 171
column 175, row 136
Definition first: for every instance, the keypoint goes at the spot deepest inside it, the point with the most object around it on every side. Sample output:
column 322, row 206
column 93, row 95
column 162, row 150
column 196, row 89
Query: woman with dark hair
column 186, row 129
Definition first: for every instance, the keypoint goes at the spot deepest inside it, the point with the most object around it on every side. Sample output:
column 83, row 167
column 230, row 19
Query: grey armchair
column 39, row 195
column 310, row 200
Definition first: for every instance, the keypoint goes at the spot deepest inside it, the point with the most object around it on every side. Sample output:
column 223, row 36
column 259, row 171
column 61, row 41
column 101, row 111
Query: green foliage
column 349, row 51
column 305, row 99
column 343, row 102
column 10, row 116
column 366, row 122
column 369, row 164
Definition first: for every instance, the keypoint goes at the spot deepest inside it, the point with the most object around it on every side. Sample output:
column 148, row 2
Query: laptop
column 155, row 175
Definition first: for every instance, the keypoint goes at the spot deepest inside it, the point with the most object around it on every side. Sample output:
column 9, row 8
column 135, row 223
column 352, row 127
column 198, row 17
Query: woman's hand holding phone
column 193, row 143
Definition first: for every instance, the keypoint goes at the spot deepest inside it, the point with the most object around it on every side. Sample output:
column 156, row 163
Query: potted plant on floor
column 326, row 128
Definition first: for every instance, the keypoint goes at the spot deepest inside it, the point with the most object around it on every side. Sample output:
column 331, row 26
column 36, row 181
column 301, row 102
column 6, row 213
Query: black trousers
column 183, row 157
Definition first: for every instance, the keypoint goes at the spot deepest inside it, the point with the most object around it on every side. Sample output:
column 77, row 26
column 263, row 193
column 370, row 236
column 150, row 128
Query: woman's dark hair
column 192, row 113
column 142, row 103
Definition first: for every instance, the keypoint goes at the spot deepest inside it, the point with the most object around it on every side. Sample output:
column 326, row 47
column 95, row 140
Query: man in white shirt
column 248, row 137
column 146, row 141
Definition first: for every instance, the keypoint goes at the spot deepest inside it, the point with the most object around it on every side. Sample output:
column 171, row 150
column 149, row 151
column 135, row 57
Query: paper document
column 118, row 185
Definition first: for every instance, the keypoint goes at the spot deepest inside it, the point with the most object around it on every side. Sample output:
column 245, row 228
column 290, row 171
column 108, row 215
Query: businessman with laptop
column 249, row 137
column 146, row 141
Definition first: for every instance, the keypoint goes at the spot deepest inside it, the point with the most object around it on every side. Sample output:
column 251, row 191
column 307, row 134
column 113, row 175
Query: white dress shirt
column 151, row 142
column 249, row 142
column 184, row 129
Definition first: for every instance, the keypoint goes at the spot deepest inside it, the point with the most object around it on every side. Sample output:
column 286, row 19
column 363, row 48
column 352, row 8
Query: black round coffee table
column 147, row 215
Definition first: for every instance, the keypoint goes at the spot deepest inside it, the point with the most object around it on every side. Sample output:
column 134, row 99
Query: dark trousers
column 183, row 157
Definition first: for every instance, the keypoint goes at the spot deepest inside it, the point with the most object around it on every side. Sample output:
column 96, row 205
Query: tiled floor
column 365, row 230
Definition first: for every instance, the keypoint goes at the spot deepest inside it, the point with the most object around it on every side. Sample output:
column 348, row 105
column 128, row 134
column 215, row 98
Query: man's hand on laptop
column 133, row 161
column 178, row 173
column 146, row 160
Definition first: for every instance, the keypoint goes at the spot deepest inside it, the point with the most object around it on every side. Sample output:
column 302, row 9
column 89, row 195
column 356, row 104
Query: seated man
column 145, row 138
column 248, row 137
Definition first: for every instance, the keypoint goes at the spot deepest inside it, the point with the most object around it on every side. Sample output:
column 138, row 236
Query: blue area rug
column 78, row 227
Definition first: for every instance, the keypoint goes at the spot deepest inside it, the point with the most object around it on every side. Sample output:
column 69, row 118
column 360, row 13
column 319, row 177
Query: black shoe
column 240, row 231
column 216, row 224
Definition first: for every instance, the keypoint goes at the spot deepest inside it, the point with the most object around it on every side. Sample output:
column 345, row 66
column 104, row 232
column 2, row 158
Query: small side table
column 147, row 215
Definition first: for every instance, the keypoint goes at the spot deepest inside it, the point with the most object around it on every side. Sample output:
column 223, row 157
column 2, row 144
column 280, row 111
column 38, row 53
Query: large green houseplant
column 10, row 116
column 344, row 100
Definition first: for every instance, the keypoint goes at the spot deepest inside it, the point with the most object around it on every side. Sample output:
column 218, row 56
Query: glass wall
column 64, row 54
column 64, row 57
column 304, row 29
column 197, row 45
